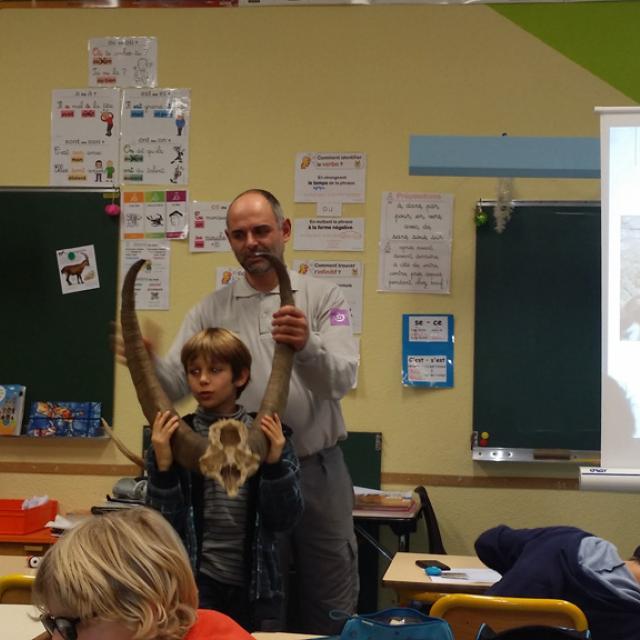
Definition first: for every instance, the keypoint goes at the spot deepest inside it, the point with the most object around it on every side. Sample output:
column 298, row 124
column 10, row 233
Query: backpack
column 398, row 623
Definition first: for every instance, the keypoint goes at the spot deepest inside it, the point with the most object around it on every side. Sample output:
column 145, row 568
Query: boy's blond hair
column 127, row 566
column 219, row 345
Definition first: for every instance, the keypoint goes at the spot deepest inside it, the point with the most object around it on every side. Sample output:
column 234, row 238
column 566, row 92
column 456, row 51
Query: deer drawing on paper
column 75, row 270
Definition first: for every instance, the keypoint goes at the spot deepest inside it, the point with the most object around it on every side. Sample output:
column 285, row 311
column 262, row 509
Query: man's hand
column 117, row 343
column 162, row 429
column 272, row 428
column 290, row 327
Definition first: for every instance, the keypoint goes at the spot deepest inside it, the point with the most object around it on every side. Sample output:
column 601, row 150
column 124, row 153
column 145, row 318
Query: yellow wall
column 269, row 82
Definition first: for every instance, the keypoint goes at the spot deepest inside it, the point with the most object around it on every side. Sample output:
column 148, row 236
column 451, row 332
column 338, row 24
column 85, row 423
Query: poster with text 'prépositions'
column 85, row 128
column 427, row 350
column 155, row 136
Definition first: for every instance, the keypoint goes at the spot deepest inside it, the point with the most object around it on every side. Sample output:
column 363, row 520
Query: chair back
column 465, row 613
column 434, row 538
column 15, row 588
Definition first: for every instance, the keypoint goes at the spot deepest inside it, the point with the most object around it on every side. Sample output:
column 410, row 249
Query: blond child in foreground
column 124, row 576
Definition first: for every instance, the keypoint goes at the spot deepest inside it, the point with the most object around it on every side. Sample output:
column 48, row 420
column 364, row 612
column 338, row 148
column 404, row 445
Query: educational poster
column 347, row 275
column 208, row 222
column 328, row 234
column 228, row 275
column 123, row 62
column 427, row 350
column 415, row 242
column 330, row 177
column 85, row 127
column 155, row 136
column 152, row 283
column 154, row 215
column 78, row 269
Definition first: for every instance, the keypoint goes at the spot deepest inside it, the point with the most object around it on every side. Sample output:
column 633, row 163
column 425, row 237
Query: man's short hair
column 218, row 345
column 276, row 207
column 127, row 566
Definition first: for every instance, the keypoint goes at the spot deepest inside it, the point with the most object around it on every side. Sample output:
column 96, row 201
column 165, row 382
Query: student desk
column 16, row 623
column 412, row 583
column 402, row 523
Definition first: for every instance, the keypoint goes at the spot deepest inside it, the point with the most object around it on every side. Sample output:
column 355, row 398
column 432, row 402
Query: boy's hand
column 272, row 428
column 163, row 427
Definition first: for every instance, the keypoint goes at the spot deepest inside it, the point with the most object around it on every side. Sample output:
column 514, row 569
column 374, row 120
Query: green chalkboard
column 54, row 344
column 537, row 333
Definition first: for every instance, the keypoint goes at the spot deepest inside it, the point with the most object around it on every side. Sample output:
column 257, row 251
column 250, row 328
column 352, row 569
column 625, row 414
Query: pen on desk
column 436, row 571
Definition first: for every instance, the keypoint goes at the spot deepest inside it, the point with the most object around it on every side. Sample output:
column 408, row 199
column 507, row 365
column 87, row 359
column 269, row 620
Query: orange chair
column 15, row 588
column 465, row 613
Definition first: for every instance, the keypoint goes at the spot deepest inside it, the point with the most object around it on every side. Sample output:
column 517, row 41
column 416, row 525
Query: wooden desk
column 16, row 623
column 412, row 583
column 15, row 564
column 28, row 544
column 402, row 523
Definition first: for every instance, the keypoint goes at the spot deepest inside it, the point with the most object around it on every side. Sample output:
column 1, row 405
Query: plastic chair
column 434, row 538
column 15, row 588
column 465, row 613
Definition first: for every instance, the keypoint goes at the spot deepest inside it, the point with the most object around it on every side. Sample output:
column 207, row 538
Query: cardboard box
column 11, row 409
column 75, row 419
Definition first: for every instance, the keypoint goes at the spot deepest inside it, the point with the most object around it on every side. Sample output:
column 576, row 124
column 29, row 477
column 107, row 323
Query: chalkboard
column 54, row 344
column 537, row 334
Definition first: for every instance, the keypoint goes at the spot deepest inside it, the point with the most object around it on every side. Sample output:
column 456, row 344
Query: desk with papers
column 410, row 582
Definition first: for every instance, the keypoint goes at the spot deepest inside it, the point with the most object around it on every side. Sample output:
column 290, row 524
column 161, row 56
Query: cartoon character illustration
column 174, row 217
column 109, row 169
column 107, row 118
column 177, row 172
column 180, row 122
column 303, row 268
column 305, row 162
column 156, row 221
column 226, row 277
column 179, row 154
column 98, row 171
column 141, row 72
column 75, row 269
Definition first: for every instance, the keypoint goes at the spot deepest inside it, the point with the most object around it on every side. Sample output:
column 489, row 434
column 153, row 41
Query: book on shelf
column 376, row 500
column 11, row 409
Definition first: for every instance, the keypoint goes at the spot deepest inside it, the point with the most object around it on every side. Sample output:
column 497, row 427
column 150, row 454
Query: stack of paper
column 374, row 499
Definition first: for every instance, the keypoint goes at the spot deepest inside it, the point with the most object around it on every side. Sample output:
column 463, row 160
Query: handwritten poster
column 347, row 275
column 123, row 62
column 85, row 125
column 208, row 222
column 415, row 242
column 330, row 177
column 152, row 283
column 427, row 350
column 328, row 234
column 155, row 136
column 154, row 214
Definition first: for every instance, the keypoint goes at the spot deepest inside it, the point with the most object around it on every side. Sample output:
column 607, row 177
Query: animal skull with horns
column 233, row 452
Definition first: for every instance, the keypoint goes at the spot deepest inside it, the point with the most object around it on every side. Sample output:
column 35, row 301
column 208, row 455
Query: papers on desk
column 374, row 499
column 488, row 576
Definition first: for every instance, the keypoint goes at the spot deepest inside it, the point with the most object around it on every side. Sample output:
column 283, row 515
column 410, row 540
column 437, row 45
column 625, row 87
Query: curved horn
column 234, row 452
column 187, row 446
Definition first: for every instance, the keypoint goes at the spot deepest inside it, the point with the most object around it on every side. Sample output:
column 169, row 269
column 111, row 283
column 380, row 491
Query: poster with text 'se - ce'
column 155, row 136
column 427, row 350
column 85, row 129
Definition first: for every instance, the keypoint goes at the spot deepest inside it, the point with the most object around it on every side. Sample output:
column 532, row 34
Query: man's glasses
column 66, row 627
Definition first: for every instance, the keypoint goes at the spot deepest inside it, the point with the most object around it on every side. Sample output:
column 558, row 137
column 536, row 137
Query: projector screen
column 620, row 188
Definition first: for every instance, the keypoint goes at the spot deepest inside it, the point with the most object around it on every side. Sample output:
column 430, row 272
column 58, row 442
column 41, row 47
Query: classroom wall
column 269, row 82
